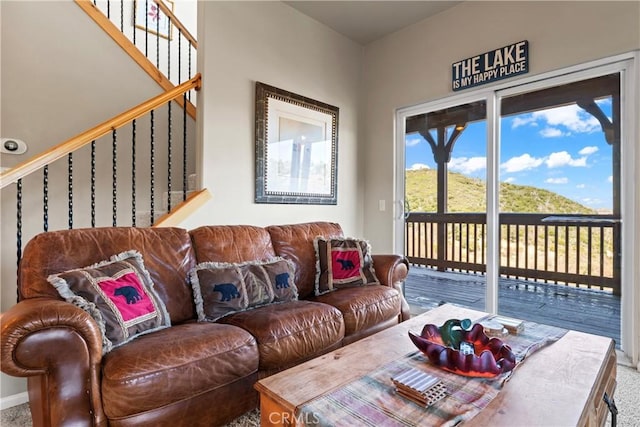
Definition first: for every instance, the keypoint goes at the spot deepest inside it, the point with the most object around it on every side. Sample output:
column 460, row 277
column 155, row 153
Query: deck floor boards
column 585, row 310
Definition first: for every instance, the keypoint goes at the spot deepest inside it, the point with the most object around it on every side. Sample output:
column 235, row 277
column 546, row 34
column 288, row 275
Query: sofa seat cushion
column 290, row 332
column 364, row 307
column 175, row 364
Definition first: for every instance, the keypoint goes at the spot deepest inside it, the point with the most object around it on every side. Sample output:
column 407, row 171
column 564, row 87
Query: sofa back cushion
column 295, row 242
column 167, row 254
column 231, row 243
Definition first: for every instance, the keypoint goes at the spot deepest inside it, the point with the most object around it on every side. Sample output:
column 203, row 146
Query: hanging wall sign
column 490, row 66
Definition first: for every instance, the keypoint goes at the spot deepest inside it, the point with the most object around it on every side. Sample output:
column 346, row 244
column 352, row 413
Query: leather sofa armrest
column 58, row 347
column 392, row 270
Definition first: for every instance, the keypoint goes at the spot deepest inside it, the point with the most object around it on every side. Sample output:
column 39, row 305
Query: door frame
column 627, row 65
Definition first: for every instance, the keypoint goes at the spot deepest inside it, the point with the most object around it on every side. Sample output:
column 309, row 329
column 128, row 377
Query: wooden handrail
column 184, row 209
column 131, row 50
column 177, row 23
column 96, row 132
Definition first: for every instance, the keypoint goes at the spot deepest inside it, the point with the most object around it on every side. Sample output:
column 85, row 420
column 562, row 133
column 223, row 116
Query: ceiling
column 366, row 21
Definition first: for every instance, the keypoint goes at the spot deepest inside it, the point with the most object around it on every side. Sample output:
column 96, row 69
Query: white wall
column 413, row 66
column 245, row 42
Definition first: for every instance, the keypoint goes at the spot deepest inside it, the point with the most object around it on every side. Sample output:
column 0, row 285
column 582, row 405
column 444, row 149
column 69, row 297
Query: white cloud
column 552, row 133
column 562, row 180
column 510, row 179
column 588, row 150
column 589, row 201
column 418, row 166
column 571, row 117
column 580, row 186
column 610, row 179
column 522, row 121
column 412, row 141
column 579, row 162
column 467, row 165
column 554, row 160
column 562, row 158
column 520, row 163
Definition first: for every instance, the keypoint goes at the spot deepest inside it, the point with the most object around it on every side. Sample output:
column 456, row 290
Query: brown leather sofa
column 192, row 373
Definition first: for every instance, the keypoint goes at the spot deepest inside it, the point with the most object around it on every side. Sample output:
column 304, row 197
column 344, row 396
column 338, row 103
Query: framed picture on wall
column 296, row 148
column 149, row 16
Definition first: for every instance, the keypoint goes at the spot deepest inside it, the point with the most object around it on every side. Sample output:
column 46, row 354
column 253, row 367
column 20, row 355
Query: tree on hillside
column 469, row 195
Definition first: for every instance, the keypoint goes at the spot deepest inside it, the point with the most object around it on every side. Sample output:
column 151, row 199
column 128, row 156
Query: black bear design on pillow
column 228, row 291
column 129, row 292
column 346, row 264
column 282, row 281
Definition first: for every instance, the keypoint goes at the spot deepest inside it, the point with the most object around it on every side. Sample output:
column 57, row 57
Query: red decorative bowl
column 490, row 357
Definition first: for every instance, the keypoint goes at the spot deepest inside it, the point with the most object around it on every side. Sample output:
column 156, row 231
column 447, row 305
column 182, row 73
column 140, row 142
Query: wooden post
column 611, row 131
column 440, row 156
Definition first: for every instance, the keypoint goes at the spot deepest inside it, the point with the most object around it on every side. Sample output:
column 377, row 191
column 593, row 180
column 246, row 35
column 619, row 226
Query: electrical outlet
column 382, row 205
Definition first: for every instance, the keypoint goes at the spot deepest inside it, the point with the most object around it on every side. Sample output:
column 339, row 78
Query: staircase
column 134, row 169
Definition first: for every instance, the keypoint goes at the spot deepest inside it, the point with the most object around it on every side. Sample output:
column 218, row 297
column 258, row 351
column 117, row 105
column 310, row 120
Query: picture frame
column 147, row 12
column 296, row 148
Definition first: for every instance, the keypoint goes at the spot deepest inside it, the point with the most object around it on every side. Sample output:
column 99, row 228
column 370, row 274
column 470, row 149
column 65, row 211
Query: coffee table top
column 555, row 386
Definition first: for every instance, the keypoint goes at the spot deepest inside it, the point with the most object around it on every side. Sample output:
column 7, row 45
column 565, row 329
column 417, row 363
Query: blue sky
column 560, row 149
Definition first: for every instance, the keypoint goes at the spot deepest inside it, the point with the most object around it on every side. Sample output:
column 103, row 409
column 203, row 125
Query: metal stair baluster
column 45, row 197
column 158, row 41
column 169, row 148
column 169, row 155
column 152, row 160
column 19, row 219
column 146, row 29
column 70, row 188
column 184, row 149
column 184, row 118
column 133, row 173
column 93, row 184
column 114, row 177
column 189, row 96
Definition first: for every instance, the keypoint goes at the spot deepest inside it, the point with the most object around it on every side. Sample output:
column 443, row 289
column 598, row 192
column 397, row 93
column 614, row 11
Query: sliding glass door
column 445, row 203
column 559, row 205
column 512, row 200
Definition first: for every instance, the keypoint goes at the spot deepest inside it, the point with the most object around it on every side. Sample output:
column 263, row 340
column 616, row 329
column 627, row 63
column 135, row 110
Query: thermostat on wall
column 13, row 146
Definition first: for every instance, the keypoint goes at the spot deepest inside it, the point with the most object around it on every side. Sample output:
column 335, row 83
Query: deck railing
column 577, row 250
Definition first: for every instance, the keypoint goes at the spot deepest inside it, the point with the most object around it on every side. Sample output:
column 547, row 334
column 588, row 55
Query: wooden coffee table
column 560, row 385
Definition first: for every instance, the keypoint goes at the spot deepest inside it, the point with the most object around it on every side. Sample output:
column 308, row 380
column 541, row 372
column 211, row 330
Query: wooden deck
column 595, row 312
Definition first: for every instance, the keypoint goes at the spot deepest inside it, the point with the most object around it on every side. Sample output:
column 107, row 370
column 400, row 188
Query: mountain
column 469, row 195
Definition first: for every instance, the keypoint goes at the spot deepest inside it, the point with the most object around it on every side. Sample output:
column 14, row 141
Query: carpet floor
column 19, row 416
column 627, row 400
